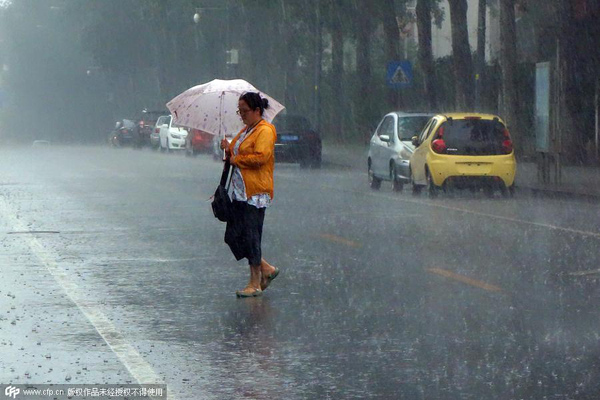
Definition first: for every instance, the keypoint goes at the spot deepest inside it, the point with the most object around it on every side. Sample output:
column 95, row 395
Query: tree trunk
column 391, row 36
column 508, row 64
column 363, row 68
column 461, row 55
column 570, row 137
column 480, row 61
column 423, row 11
column 337, row 77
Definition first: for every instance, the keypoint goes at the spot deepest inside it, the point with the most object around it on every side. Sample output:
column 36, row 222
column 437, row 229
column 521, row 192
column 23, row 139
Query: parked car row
column 442, row 151
column 296, row 141
column 134, row 132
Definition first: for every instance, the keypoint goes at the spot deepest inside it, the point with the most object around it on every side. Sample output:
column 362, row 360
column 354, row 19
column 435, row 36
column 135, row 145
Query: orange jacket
column 256, row 158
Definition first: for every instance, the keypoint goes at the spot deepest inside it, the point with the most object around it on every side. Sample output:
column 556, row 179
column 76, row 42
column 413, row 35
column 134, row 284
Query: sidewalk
column 582, row 182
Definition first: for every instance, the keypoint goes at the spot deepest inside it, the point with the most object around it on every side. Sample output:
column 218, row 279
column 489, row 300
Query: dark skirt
column 244, row 231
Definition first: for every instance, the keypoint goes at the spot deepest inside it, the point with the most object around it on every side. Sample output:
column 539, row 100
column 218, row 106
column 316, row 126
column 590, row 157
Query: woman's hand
column 224, row 144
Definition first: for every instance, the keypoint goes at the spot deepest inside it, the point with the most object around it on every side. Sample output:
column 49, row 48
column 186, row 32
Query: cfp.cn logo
column 11, row 391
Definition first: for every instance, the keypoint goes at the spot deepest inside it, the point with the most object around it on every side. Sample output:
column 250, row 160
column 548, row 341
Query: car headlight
column 175, row 136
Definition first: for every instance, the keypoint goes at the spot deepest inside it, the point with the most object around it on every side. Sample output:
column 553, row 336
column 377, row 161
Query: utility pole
column 480, row 61
column 318, row 56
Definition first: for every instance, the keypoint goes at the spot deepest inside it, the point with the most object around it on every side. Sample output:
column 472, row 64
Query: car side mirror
column 384, row 138
column 415, row 141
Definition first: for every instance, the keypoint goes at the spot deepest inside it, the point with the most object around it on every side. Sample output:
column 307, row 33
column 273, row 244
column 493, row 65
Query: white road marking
column 129, row 356
column 584, row 273
column 466, row 211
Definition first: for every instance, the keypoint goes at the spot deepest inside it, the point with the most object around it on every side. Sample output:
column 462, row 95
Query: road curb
column 559, row 194
column 534, row 190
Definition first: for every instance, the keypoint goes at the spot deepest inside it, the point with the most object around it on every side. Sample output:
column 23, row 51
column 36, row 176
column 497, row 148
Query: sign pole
column 597, row 121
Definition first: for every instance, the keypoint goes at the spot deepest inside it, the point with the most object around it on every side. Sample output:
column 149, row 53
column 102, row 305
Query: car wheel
column 489, row 191
column 304, row 163
column 397, row 185
column 316, row 161
column 507, row 191
column 416, row 189
column 374, row 182
column 167, row 149
column 432, row 190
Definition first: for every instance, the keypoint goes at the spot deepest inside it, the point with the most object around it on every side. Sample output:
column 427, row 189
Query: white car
column 391, row 147
column 154, row 136
column 170, row 137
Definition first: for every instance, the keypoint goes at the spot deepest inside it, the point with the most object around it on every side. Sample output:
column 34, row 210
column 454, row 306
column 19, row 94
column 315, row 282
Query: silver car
column 391, row 147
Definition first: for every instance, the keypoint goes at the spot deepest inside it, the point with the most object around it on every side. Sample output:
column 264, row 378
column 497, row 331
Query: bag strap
column 226, row 170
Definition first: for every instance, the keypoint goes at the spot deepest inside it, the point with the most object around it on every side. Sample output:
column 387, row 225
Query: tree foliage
column 91, row 62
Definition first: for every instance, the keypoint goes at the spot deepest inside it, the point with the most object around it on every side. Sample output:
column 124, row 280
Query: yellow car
column 464, row 150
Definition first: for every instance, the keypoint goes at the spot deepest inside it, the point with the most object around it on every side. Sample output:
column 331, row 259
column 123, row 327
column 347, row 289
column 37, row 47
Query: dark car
column 297, row 141
column 145, row 125
column 124, row 134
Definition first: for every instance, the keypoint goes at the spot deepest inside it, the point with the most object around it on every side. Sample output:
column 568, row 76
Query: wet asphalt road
column 113, row 270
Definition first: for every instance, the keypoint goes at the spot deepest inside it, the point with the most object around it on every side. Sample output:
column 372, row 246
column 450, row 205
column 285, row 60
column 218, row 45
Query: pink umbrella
column 211, row 107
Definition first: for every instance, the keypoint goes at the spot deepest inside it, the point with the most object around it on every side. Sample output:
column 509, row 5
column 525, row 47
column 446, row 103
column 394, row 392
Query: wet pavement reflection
column 381, row 295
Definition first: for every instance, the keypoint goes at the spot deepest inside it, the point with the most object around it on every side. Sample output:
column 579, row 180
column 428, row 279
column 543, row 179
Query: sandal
column 270, row 277
column 249, row 291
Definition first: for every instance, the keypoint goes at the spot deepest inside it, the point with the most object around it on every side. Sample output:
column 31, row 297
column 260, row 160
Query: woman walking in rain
column 251, row 153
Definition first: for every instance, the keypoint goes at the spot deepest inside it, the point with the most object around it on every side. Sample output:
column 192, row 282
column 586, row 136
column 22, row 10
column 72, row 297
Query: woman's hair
column 254, row 101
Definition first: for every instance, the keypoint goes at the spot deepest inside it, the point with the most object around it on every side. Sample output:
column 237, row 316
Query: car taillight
column 507, row 144
column 439, row 146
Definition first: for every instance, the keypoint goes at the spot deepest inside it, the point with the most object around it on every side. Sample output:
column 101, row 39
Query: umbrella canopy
column 211, row 107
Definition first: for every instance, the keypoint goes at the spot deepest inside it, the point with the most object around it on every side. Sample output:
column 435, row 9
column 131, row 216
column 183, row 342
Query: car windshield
column 128, row 124
column 411, row 126
column 291, row 123
column 473, row 136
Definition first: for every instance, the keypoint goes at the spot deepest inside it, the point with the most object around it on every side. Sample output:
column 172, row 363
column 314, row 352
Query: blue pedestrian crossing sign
column 399, row 74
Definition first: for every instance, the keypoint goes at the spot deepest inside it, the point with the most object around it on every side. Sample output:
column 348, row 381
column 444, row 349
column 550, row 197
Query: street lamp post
column 231, row 54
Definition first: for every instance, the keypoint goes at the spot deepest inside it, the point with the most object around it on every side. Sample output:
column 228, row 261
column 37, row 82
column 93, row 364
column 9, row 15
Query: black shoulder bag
column 221, row 204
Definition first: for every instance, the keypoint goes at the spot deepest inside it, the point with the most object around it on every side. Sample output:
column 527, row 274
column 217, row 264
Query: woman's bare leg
column 253, row 286
column 266, row 270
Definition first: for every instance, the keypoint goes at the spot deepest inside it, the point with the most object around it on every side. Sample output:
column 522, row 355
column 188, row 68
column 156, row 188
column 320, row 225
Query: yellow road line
column 464, row 279
column 338, row 239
